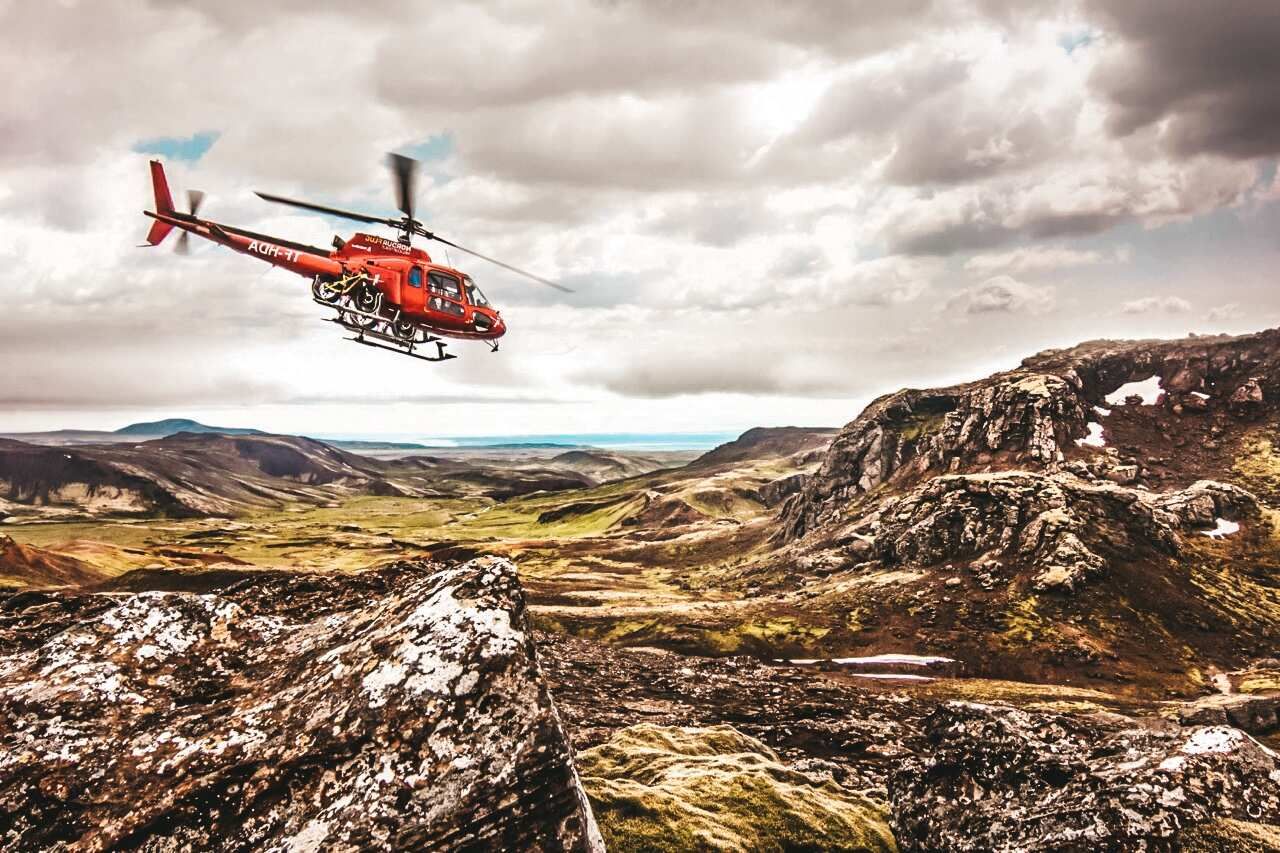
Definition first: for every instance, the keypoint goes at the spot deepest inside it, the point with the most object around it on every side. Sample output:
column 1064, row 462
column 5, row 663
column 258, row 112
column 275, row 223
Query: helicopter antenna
column 404, row 174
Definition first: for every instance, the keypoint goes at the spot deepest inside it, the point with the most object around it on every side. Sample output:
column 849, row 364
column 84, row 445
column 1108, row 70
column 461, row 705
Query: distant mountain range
column 172, row 426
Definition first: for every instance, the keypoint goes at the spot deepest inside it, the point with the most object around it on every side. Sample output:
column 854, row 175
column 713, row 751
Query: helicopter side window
column 445, row 284
column 415, row 277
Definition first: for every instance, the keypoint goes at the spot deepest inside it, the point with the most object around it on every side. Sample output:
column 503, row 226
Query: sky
column 770, row 213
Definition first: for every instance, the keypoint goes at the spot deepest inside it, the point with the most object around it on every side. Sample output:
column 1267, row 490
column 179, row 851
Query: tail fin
column 164, row 204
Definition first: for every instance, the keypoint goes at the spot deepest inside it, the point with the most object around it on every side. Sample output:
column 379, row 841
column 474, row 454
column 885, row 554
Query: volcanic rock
column 401, row 709
column 1246, row 400
column 1059, row 525
column 1001, row 779
column 1026, row 418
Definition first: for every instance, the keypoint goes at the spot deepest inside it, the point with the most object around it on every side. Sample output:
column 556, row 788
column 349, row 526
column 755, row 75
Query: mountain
column 170, row 426
column 771, row 441
column 194, row 474
column 1050, row 523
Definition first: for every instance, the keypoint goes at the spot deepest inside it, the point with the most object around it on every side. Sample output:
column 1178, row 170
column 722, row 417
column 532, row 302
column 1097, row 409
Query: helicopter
column 388, row 294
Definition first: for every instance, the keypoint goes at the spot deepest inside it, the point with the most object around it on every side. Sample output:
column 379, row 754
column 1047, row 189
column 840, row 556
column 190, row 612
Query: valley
column 1028, row 541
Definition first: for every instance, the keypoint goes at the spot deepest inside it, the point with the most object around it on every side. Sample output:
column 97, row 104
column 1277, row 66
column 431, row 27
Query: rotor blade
column 183, row 246
column 194, row 198
column 405, row 172
column 320, row 208
column 505, row 266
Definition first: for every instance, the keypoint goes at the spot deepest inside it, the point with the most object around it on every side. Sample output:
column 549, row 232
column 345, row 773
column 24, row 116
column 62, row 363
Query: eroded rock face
column 1000, row 779
column 1059, row 525
column 1027, row 418
column 402, row 709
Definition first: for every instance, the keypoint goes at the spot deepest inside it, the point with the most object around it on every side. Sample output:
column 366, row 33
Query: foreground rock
column 399, row 709
column 1001, row 779
column 661, row 788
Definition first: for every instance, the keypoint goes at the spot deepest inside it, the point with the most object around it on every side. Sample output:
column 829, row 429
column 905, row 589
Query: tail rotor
column 194, row 200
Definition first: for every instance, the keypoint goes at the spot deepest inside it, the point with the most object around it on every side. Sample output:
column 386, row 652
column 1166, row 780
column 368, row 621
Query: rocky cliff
column 1030, row 417
column 402, row 708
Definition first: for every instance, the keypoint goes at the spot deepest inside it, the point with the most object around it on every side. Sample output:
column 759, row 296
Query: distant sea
column 634, row 441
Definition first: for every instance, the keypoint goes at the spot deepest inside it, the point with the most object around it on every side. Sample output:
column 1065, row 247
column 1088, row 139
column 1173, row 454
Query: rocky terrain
column 400, row 709
column 1037, row 611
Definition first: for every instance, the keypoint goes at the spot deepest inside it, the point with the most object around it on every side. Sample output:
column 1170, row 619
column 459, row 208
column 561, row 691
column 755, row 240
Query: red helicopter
column 389, row 294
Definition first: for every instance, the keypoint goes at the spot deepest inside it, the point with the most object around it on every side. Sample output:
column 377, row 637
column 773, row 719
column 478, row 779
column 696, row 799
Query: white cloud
column 1154, row 304
column 1002, row 294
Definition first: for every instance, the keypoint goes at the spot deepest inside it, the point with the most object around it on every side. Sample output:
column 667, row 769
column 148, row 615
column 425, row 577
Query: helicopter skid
column 375, row 338
column 440, row 355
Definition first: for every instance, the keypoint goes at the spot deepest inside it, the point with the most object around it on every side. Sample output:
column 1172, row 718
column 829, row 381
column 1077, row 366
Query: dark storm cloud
column 1211, row 68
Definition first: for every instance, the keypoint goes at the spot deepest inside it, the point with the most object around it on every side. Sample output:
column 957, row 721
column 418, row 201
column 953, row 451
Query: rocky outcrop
column 665, row 788
column 994, row 778
column 1061, row 527
column 1029, row 417
column 401, row 709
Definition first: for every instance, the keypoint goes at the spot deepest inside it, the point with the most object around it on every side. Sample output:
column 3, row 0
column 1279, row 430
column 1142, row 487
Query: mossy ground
column 656, row 788
column 1231, row 836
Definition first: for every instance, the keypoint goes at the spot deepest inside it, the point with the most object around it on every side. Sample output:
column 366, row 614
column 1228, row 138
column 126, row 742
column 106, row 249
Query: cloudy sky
column 770, row 212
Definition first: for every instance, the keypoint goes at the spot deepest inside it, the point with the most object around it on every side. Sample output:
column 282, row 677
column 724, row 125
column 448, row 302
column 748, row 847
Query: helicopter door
column 413, row 294
column 445, row 295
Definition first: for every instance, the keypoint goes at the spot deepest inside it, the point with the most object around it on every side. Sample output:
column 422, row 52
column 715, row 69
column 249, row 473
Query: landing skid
column 377, row 332
column 440, row 355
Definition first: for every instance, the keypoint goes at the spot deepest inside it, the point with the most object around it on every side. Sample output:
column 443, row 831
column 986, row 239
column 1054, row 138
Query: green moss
column 1259, row 683
column 764, row 636
column 920, row 425
column 654, row 788
column 1257, row 464
column 1231, row 836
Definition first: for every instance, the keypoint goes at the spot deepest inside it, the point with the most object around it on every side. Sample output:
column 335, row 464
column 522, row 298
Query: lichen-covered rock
column 400, row 709
column 996, row 778
column 1059, row 526
column 660, row 788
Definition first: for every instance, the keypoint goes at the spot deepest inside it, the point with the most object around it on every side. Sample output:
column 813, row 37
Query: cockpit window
column 474, row 296
column 446, row 284
column 415, row 277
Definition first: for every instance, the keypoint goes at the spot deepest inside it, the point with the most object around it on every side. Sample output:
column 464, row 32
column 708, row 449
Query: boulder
column 1246, row 400
column 401, row 708
column 1251, row 713
column 668, row 788
column 996, row 778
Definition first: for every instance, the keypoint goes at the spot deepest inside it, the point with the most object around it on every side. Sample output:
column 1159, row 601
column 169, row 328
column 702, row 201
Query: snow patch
column 1147, row 389
column 1102, row 413
column 890, row 676
column 1200, row 394
column 1213, row 739
column 1222, row 529
column 884, row 659
column 1094, row 438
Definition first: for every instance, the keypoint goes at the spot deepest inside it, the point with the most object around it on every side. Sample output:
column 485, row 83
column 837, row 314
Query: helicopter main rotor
column 404, row 174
